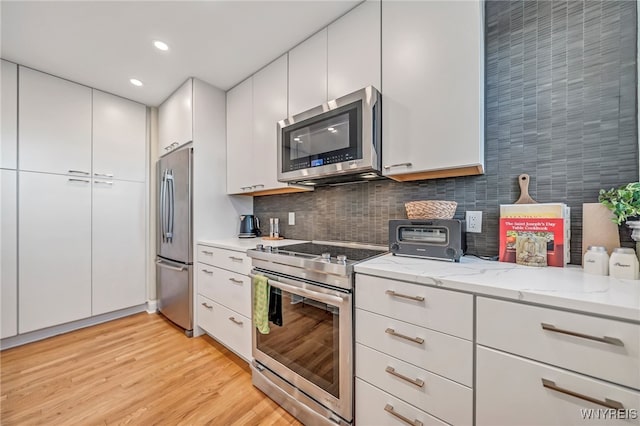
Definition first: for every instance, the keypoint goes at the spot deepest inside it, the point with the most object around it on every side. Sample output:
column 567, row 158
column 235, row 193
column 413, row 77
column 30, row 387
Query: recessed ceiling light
column 296, row 139
column 135, row 82
column 161, row 45
column 331, row 129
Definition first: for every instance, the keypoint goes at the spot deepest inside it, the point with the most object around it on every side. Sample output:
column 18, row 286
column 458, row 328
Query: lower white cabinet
column 118, row 245
column 516, row 391
column 228, row 327
column 54, row 250
column 9, row 253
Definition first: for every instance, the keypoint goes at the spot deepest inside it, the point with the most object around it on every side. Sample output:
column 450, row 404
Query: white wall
column 151, row 208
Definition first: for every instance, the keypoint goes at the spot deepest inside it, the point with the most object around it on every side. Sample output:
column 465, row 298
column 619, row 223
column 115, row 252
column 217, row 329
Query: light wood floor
column 139, row 370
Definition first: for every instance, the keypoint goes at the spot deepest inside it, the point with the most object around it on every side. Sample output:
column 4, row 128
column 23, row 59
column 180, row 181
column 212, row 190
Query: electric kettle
column 249, row 226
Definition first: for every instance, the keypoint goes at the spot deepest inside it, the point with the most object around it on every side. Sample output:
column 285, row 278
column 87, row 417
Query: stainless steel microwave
column 338, row 141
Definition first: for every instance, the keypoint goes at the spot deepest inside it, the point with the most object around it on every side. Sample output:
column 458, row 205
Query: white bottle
column 596, row 261
column 624, row 264
column 276, row 228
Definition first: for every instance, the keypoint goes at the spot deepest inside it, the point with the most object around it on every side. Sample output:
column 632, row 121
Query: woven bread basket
column 430, row 209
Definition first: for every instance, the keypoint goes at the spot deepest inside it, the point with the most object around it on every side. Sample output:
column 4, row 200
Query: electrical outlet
column 474, row 221
column 292, row 218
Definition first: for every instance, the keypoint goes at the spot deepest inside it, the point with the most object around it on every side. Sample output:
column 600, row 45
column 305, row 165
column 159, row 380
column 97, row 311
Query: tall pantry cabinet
column 81, row 202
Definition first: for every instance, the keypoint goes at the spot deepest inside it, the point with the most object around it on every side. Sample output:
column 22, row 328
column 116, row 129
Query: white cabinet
column 119, row 138
column 54, row 250
column 175, row 119
column 308, row 73
column 240, row 138
column 118, row 245
column 9, row 108
column 433, row 83
column 517, row 391
column 8, row 253
column 354, row 50
column 54, row 124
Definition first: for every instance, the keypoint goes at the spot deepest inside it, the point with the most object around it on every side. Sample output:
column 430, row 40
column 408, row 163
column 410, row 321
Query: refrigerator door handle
column 163, row 201
column 172, row 201
column 165, row 265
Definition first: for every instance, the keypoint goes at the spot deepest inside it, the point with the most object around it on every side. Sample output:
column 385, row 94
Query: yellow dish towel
column 261, row 303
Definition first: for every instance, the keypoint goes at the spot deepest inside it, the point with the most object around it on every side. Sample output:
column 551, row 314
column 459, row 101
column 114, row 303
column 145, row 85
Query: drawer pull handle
column 392, row 332
column 404, row 296
column 389, row 409
column 418, row 382
column 208, row 253
column 207, row 305
column 606, row 339
column 235, row 280
column 235, row 259
column 206, row 271
column 387, row 167
column 609, row 403
column 235, row 321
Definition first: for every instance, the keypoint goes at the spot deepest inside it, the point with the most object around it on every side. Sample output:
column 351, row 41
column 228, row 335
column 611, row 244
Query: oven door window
column 307, row 339
column 330, row 138
column 436, row 235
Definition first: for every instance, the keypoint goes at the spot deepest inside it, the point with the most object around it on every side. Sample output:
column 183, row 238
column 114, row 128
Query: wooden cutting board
column 523, row 180
column 597, row 228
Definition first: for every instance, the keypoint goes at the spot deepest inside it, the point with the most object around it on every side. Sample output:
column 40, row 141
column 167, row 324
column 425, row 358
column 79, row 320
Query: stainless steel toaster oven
column 431, row 238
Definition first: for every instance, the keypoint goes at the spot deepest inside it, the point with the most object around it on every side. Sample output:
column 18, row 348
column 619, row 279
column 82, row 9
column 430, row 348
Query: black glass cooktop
column 353, row 253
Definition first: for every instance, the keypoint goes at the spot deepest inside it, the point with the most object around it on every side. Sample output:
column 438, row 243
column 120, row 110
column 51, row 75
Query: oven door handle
column 320, row 297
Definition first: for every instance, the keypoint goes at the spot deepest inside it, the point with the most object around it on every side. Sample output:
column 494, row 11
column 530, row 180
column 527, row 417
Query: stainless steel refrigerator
column 174, row 262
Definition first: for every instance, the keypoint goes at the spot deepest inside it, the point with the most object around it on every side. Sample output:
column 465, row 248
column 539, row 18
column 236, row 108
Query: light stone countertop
column 566, row 288
column 243, row 244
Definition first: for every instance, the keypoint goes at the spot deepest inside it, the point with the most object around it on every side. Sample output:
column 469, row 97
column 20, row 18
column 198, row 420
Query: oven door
column 312, row 348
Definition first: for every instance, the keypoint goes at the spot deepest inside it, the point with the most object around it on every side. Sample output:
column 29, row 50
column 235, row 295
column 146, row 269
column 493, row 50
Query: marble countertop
column 243, row 244
column 568, row 288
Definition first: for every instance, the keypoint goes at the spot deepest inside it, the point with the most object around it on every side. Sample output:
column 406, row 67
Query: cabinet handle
column 208, row 253
column 235, row 321
column 235, row 280
column 174, row 144
column 258, row 186
column 392, row 332
column 235, row 259
column 389, row 409
column 418, row 382
column 80, row 172
column 398, row 165
column 206, row 271
column 606, row 339
column 609, row 403
column 244, row 188
column 103, row 175
column 167, row 148
column 404, row 296
column 104, row 182
column 207, row 305
column 77, row 180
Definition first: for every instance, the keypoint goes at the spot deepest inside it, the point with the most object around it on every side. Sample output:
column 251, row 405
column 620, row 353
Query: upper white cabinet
column 354, row 50
column 118, row 245
column 240, row 138
column 54, row 125
column 432, row 82
column 8, row 253
column 54, row 237
column 175, row 119
column 9, row 90
column 269, row 107
column 119, row 138
column 308, row 73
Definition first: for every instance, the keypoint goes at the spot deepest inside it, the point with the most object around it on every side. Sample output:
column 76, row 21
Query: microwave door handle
column 320, row 297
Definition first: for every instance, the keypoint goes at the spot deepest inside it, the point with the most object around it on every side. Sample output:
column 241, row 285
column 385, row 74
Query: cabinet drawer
column 226, row 259
column 226, row 326
column 510, row 391
column 517, row 328
column 439, row 353
column 230, row 289
column 430, row 392
column 370, row 409
column 442, row 310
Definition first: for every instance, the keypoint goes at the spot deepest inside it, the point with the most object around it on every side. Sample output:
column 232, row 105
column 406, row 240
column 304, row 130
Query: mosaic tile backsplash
column 560, row 106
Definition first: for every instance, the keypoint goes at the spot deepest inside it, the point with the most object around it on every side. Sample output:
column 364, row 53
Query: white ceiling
column 104, row 44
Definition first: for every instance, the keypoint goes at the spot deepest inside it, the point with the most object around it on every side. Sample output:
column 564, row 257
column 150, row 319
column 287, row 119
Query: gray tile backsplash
column 560, row 105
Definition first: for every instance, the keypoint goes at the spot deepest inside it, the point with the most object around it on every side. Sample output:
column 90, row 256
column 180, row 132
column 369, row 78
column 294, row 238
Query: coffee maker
column 249, row 226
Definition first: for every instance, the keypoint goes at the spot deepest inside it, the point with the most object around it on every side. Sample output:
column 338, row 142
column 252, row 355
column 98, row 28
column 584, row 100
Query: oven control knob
column 326, row 256
column 342, row 258
column 259, row 246
column 395, row 247
column 268, row 248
